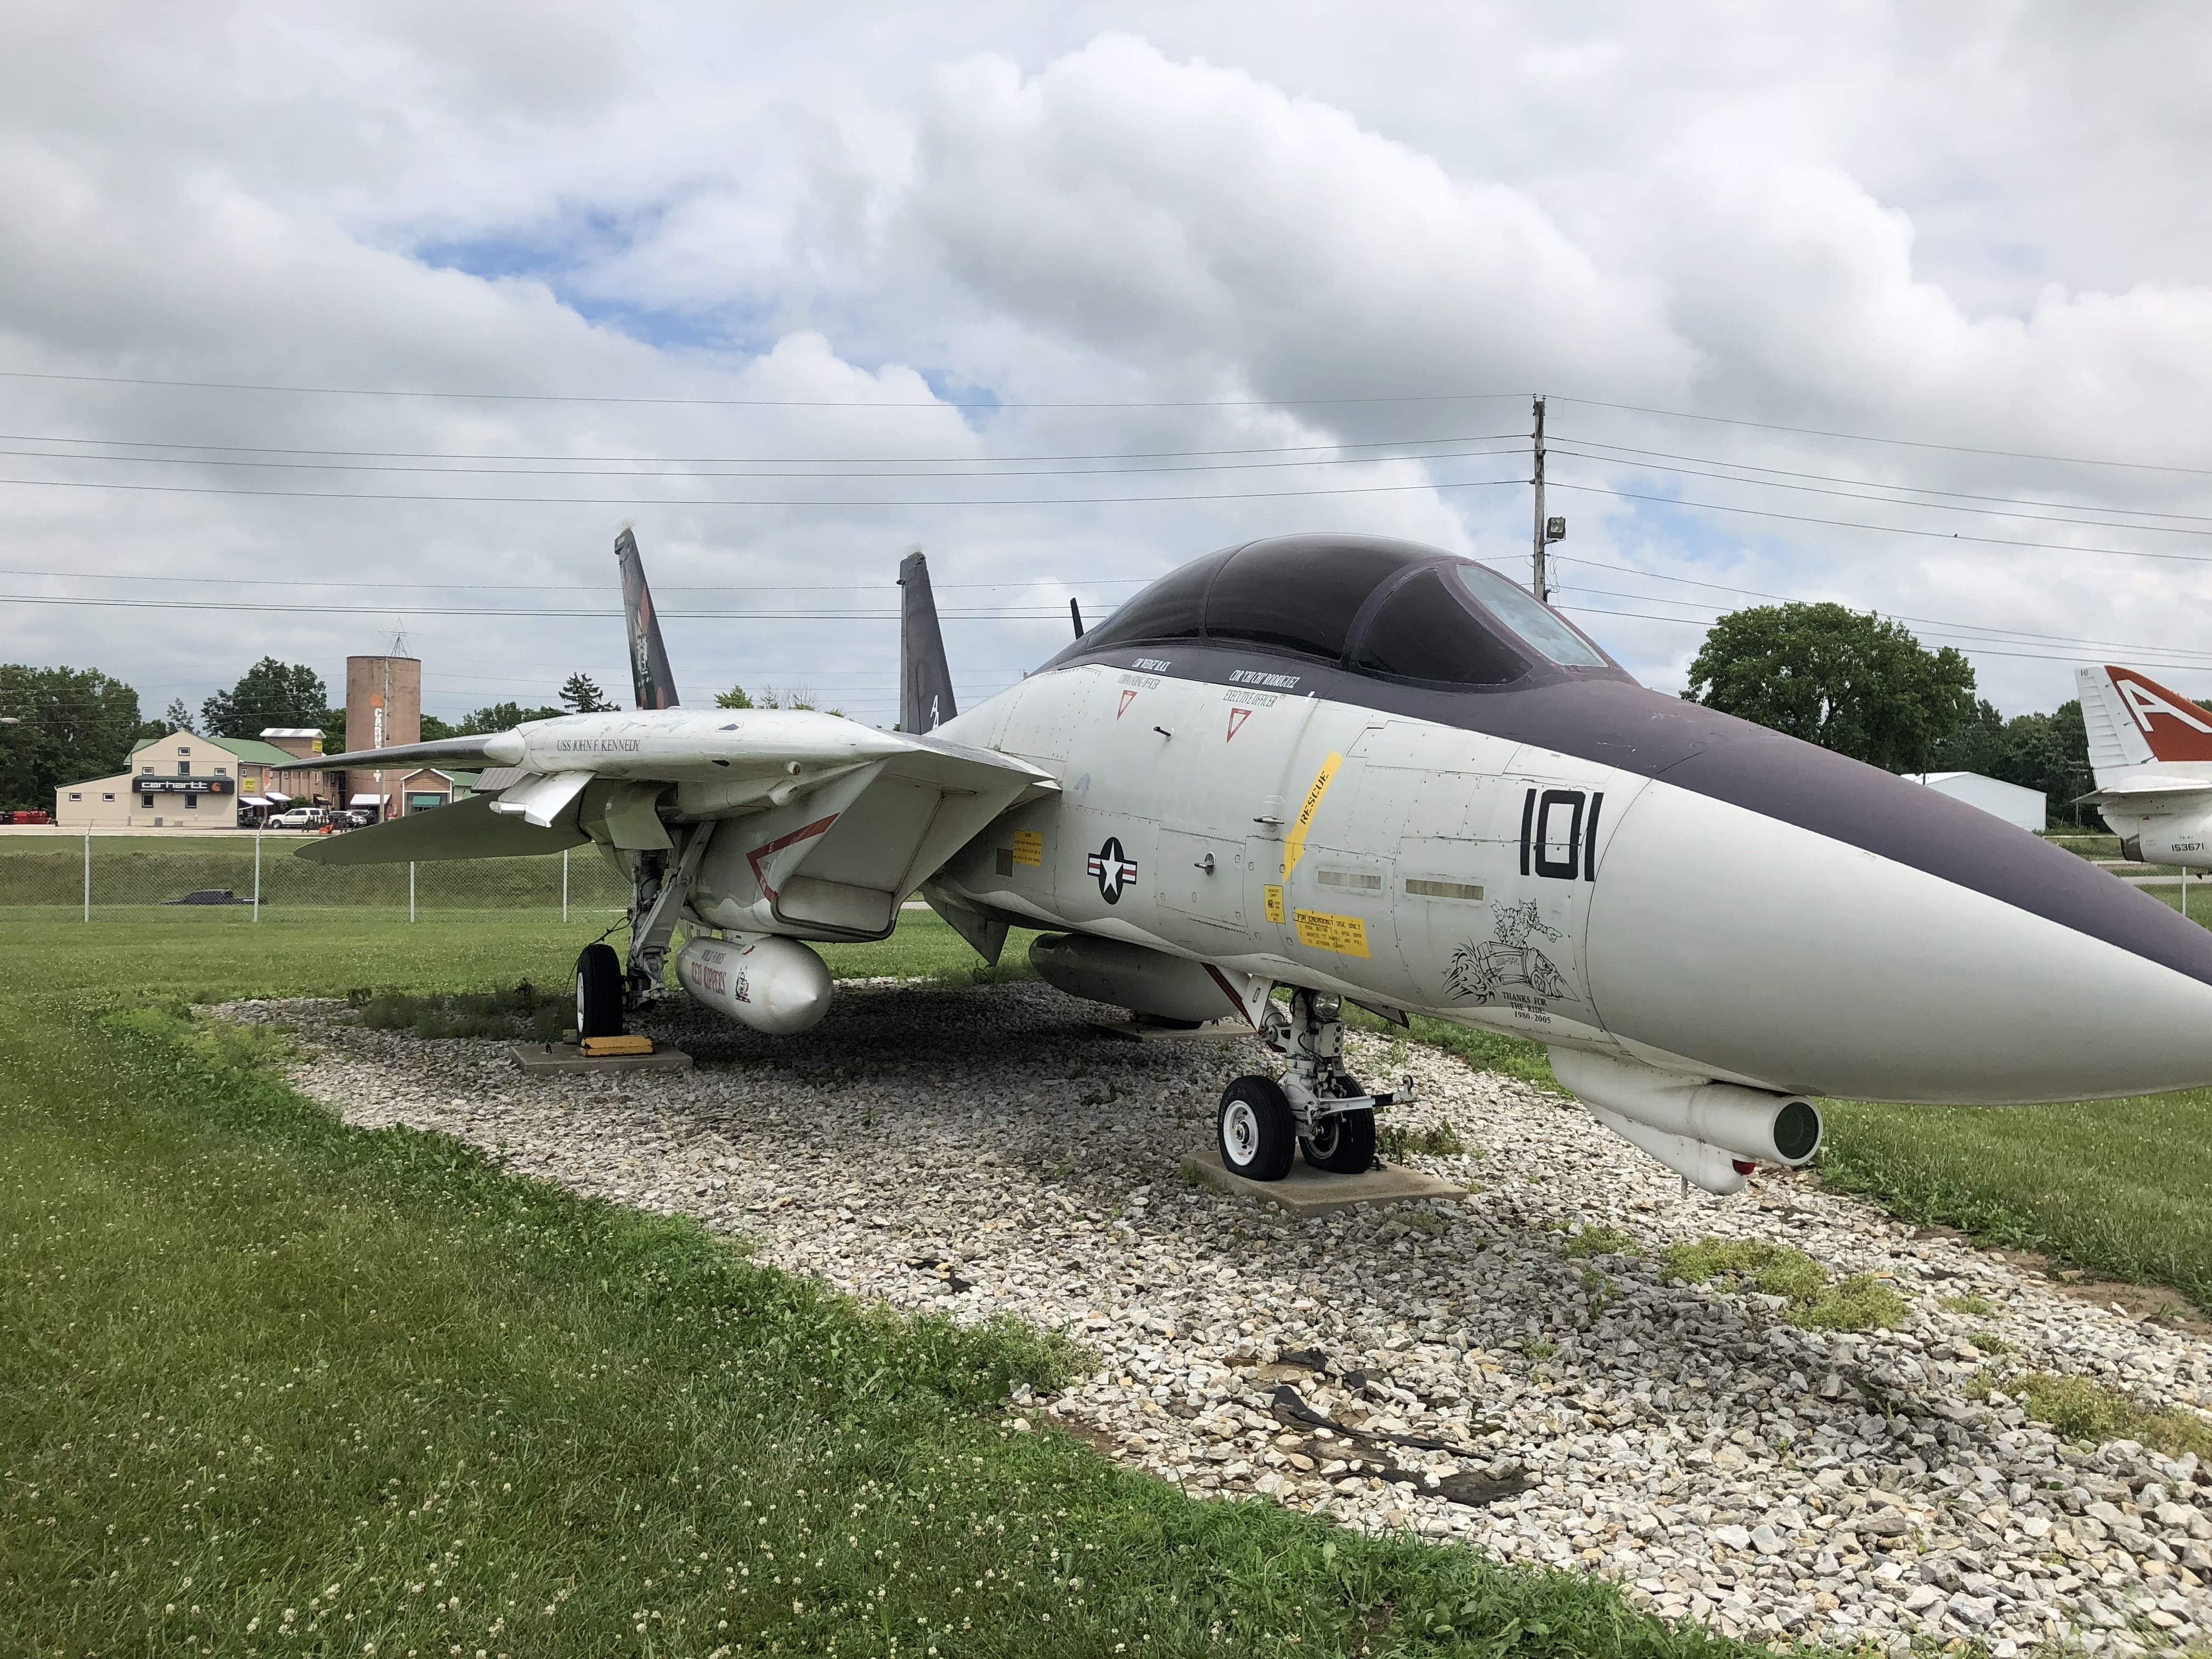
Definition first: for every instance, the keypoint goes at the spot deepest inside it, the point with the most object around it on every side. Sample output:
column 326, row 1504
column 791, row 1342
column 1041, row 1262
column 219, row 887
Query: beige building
column 187, row 781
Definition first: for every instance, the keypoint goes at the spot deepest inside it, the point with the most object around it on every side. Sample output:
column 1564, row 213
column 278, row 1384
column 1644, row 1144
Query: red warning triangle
column 1127, row 697
column 1236, row 718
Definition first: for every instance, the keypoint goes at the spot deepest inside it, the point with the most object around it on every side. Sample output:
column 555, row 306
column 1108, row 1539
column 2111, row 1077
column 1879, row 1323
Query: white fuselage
column 2176, row 829
column 1429, row 868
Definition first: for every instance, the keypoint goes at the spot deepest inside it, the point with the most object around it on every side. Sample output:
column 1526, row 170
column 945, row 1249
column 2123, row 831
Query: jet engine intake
column 773, row 985
column 1698, row 1129
column 1144, row 981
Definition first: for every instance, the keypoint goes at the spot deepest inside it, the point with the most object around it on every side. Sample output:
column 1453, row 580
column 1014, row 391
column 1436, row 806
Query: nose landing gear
column 1318, row 1106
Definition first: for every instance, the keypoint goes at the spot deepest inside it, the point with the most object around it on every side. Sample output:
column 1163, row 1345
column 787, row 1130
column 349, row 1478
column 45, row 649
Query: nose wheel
column 1343, row 1143
column 1317, row 1106
column 1258, row 1132
column 599, row 993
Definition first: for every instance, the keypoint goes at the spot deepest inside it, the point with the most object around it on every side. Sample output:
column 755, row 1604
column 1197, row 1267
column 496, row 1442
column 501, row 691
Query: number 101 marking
column 1541, row 813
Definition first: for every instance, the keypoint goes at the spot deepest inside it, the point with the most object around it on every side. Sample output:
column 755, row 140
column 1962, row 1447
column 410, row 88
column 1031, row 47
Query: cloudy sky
column 321, row 324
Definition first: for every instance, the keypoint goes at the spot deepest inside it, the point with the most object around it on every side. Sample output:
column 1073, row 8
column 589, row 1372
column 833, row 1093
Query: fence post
column 410, row 890
column 88, row 874
column 256, row 875
column 564, row 884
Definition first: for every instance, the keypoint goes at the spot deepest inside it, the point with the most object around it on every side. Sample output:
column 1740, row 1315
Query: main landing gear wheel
column 599, row 993
column 1258, row 1132
column 1344, row 1143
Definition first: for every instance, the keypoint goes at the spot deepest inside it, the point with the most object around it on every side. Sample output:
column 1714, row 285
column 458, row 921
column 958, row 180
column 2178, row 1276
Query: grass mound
column 1602, row 1241
column 1859, row 1303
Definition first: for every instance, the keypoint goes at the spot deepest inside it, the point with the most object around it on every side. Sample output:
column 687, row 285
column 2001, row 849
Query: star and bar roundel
column 1116, row 871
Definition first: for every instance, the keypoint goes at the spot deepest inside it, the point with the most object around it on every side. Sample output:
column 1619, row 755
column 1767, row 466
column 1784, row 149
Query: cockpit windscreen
column 1518, row 608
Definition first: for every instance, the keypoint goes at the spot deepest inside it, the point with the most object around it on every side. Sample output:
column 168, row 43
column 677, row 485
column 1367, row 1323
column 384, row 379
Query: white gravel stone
column 989, row 1151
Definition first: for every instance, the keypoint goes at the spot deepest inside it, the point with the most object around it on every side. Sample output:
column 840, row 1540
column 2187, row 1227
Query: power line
column 1928, row 507
column 398, row 585
column 2005, row 635
column 765, row 460
column 1966, row 648
column 628, row 472
column 1054, row 612
column 1875, row 483
column 747, row 403
column 1887, row 529
column 1903, row 443
column 701, row 500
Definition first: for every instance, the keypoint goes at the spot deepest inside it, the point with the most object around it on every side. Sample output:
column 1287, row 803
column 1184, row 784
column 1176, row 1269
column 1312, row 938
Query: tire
column 1345, row 1144
column 1255, row 1131
column 599, row 993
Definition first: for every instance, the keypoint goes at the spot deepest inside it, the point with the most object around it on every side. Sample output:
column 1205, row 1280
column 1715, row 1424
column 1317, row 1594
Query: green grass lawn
column 271, row 1385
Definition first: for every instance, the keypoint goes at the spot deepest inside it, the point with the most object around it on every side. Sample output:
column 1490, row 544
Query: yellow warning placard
column 1294, row 844
column 1028, row 846
column 1346, row 935
column 1274, row 896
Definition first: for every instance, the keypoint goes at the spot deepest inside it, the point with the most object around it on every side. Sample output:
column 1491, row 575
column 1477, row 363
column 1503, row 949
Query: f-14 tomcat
column 1364, row 770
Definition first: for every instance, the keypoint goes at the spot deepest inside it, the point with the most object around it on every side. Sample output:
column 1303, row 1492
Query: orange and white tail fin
column 2133, row 721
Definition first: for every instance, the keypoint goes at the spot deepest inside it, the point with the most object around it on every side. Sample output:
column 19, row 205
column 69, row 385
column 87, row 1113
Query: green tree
column 435, row 729
column 735, row 697
column 60, row 726
column 501, row 717
column 2049, row 753
column 1846, row 680
column 270, row 693
column 581, row 694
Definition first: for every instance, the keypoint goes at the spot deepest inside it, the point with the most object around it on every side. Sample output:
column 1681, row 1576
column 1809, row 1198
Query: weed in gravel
column 1602, row 1241
column 520, row 1011
column 1858, row 1304
column 1989, row 1342
column 2082, row 1410
column 1438, row 1140
column 1977, row 1306
column 1861, row 1302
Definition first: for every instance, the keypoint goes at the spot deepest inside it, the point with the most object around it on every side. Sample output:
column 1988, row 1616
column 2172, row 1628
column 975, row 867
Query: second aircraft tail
column 2133, row 721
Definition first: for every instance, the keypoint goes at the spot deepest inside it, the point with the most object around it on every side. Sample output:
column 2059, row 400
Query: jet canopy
column 1390, row 608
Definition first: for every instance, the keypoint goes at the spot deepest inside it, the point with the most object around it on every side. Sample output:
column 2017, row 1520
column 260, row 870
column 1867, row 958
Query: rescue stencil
column 1294, row 844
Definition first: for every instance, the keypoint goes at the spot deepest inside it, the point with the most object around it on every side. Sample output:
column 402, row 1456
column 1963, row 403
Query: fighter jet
column 2151, row 750
column 1356, row 769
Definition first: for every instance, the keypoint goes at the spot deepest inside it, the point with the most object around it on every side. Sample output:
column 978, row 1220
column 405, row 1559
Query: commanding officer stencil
column 1345, row 767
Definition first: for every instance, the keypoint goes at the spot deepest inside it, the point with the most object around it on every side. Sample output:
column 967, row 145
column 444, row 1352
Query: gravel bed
column 1446, row 1368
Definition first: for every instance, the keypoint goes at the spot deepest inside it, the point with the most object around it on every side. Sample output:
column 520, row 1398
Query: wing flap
column 467, row 830
column 540, row 800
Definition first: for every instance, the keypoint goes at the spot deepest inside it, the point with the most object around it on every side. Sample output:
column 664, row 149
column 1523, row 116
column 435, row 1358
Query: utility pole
column 1542, row 589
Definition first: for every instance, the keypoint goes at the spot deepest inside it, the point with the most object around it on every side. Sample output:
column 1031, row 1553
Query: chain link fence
column 111, row 877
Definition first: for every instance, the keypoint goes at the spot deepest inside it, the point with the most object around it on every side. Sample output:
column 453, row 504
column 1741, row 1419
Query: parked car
column 301, row 818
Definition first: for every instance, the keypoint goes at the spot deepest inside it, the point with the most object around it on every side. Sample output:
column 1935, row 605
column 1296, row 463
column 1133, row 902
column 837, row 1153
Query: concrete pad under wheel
column 1308, row 1191
column 1137, row 1030
column 540, row 1059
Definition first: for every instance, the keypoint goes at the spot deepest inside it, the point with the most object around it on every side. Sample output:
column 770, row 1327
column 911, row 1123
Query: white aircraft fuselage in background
column 1372, row 769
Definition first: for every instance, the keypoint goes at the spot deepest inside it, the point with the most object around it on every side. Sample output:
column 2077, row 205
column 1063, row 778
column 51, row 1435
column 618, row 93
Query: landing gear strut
column 1317, row 1106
